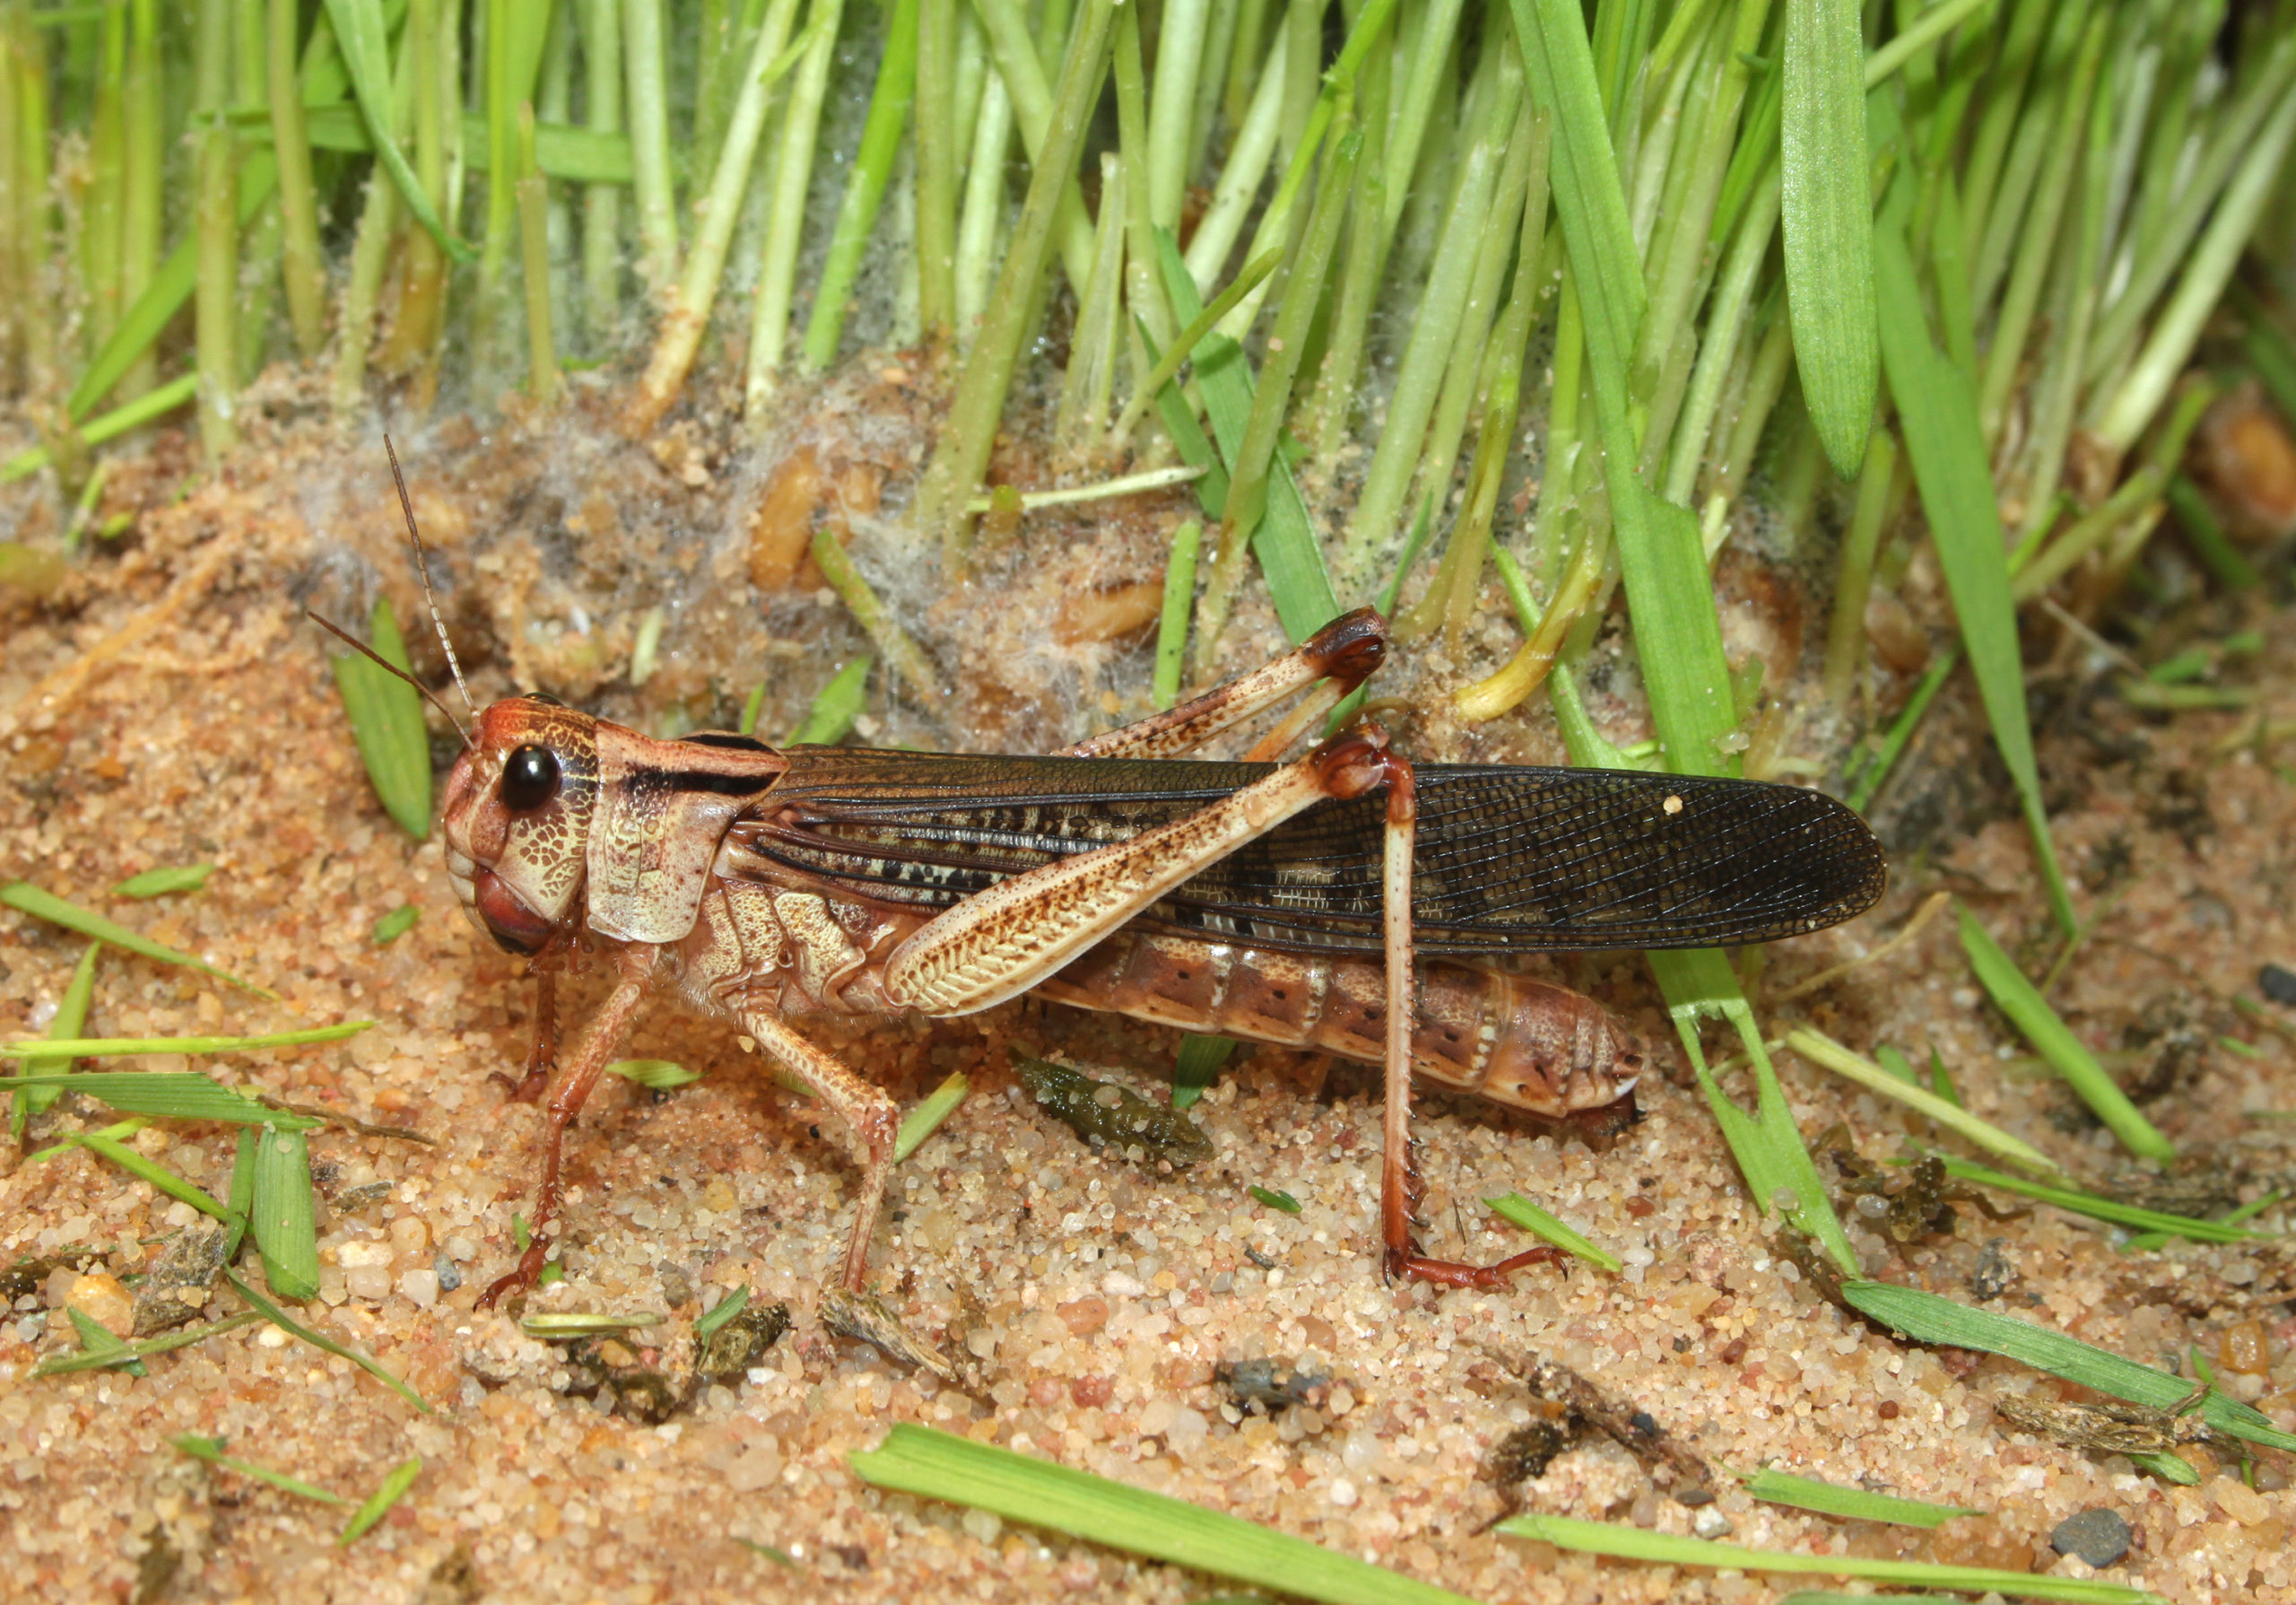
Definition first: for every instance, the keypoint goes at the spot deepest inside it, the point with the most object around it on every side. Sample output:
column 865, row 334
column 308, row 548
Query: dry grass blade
column 60, row 1364
column 287, row 1323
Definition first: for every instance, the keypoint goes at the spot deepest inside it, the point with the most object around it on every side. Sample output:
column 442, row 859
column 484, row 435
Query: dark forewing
column 1508, row 859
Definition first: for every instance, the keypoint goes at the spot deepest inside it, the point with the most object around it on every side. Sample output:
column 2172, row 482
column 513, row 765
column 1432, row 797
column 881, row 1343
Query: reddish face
column 518, row 819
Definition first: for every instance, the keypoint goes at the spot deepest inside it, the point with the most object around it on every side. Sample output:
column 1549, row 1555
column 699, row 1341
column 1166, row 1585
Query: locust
column 1346, row 900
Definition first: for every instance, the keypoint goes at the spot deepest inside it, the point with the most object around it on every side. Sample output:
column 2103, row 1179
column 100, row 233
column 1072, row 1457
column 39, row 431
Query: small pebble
column 100, row 1297
column 2278, row 984
column 1709, row 1522
column 2097, row 1536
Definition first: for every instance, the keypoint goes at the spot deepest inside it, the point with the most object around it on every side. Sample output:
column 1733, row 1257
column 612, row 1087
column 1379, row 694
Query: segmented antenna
column 422, row 567
column 372, row 656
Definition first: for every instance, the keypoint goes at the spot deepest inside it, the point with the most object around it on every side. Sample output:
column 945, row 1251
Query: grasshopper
column 1285, row 902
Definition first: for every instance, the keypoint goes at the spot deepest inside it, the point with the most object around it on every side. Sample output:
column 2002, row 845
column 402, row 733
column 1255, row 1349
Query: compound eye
column 529, row 778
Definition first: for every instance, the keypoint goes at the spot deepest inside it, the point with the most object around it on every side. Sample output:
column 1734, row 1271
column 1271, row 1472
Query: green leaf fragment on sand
column 211, row 1449
column 1828, row 1498
column 400, row 1478
column 385, row 714
column 1515, row 1207
column 283, row 1222
column 395, row 924
column 116, row 1047
column 657, row 1075
column 27, row 898
column 1276, row 1199
column 160, row 883
column 727, row 1307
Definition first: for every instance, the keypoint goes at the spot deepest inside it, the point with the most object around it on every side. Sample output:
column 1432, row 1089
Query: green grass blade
column 385, row 715
column 2055, row 1041
column 1938, row 413
column 562, row 151
column 157, row 1175
column 1274, row 1199
column 1520, row 1211
column 110, row 425
column 1826, row 213
column 865, row 191
column 836, row 706
column 71, row 1019
column 1927, row 1318
column 1820, row 1049
column 2104, row 1209
column 287, row 1323
column 1285, row 541
column 1179, row 598
column 559, row 1326
column 1197, row 1066
column 1778, row 1171
column 145, row 1348
column 1632, row 1543
column 926, row 1119
column 1832, row 1499
column 727, row 1307
column 211, row 1449
column 171, row 1094
column 99, row 1343
column 27, row 898
column 394, row 1485
column 395, row 924
column 140, row 327
column 160, row 883
column 285, row 1234
column 115, row 1047
column 363, row 37
column 939, row 1465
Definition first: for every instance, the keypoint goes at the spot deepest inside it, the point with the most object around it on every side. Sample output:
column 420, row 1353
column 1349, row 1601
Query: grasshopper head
column 518, row 819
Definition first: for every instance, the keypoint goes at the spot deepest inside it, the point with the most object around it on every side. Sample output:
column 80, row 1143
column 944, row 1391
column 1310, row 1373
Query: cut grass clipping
column 2055, row 1041
column 1857, row 1505
column 385, row 715
column 1660, row 1548
column 24, row 896
column 1515, row 1207
column 938, row 1465
column 1930, row 1319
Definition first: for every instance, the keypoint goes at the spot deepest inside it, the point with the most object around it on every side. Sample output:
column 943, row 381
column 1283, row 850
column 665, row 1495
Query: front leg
column 608, row 1029
column 542, row 1058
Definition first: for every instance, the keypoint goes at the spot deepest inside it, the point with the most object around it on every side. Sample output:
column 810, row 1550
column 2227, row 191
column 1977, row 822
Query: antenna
column 361, row 647
column 422, row 567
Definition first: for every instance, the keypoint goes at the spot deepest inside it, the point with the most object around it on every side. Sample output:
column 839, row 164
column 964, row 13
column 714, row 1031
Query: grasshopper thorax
column 519, row 802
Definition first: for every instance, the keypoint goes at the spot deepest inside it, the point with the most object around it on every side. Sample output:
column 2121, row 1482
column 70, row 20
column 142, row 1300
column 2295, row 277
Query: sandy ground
column 167, row 706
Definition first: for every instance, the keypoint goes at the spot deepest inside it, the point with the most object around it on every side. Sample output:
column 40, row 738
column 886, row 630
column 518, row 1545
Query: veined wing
column 1508, row 859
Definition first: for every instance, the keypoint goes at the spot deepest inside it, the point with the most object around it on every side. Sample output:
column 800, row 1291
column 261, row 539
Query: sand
column 168, row 705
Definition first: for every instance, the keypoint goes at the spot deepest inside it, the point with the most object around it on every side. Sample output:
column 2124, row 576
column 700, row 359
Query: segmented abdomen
column 1509, row 1038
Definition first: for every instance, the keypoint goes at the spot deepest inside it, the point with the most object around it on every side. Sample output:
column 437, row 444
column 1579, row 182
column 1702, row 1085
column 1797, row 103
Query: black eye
column 529, row 778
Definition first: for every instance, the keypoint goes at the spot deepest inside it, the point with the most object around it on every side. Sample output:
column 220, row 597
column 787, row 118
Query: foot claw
column 522, row 1278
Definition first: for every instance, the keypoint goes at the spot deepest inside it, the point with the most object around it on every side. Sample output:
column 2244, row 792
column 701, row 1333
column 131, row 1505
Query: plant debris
column 1672, row 1465
column 2107, row 1426
column 175, row 1288
column 865, row 1318
column 1108, row 1116
column 1272, row 1386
